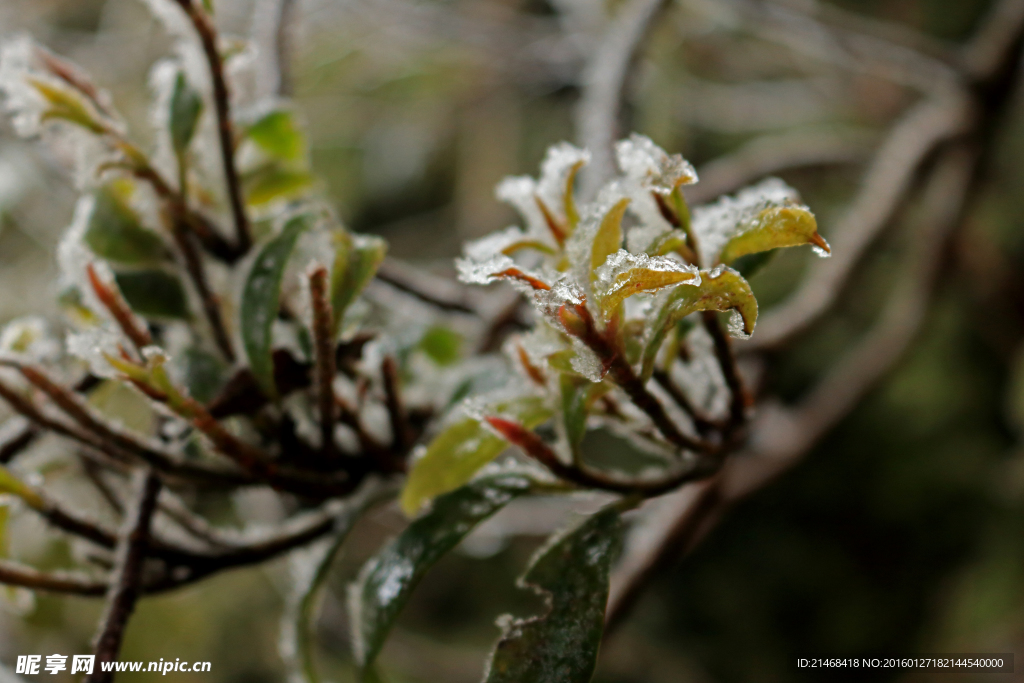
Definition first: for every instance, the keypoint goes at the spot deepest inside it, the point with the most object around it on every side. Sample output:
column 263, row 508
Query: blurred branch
column 16, row 434
column 283, row 46
column 125, row 585
column 604, row 82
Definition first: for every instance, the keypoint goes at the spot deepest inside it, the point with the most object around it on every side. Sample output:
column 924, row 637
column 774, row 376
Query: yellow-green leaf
column 572, row 215
column 67, row 105
column 125, row 404
column 275, row 182
column 458, row 452
column 608, row 238
column 721, row 289
column 625, row 275
column 279, row 135
column 774, row 228
column 14, row 486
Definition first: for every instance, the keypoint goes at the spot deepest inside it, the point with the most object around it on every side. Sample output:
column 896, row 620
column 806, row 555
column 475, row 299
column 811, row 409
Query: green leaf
column 262, row 297
column 279, row 135
column 186, row 107
column 387, row 580
column 571, row 572
column 574, row 390
column 639, row 280
column 356, row 260
column 275, row 182
column 458, row 453
column 154, row 293
column 5, row 514
column 608, row 238
column 443, row 345
column 721, row 291
column 204, row 374
column 572, row 215
column 114, row 231
column 774, row 228
column 67, row 105
column 14, row 486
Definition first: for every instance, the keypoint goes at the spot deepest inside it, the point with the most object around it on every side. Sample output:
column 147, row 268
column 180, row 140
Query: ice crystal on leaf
column 652, row 167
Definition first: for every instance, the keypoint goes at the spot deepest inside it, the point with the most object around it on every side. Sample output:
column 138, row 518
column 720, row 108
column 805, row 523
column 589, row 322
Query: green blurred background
column 900, row 533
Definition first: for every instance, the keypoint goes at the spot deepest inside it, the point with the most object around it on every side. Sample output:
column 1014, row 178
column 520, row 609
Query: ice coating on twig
column 652, row 167
column 716, row 223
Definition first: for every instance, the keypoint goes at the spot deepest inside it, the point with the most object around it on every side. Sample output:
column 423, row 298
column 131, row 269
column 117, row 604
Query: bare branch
column 604, row 81
column 323, row 344
column 14, row 574
column 125, row 585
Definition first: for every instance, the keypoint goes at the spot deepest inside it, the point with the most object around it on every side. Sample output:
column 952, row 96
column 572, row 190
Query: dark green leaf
column 442, row 344
column 458, row 453
column 186, row 107
column 261, row 299
column 722, row 289
column 574, row 391
column 386, row 581
column 114, row 231
column 356, row 259
column 154, row 293
column 278, row 134
column 204, row 374
column 571, row 572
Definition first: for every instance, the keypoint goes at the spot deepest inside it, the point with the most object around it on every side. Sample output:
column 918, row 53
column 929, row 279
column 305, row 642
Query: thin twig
column 207, row 32
column 400, row 433
column 125, row 585
column 323, row 346
column 211, row 306
column 16, row 435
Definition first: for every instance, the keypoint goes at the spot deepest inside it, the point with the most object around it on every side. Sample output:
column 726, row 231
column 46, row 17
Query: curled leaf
column 720, row 289
column 458, row 453
column 262, row 297
column 571, row 572
column 774, row 228
column 387, row 580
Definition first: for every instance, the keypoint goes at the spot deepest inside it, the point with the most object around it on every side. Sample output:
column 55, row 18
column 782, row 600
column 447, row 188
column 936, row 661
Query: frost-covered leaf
column 356, row 260
column 774, row 228
column 458, row 453
column 279, row 135
column 153, row 293
column 203, row 373
column 261, row 298
column 609, row 236
column 644, row 162
column 571, row 572
column 186, row 106
column 720, row 289
column 275, row 182
column 624, row 275
column 387, row 580
column 66, row 104
column 113, row 230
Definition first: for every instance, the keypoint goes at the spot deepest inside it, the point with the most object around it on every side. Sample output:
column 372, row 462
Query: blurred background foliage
column 900, row 533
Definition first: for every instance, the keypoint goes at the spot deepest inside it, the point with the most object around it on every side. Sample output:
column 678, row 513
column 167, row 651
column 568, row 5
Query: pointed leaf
column 608, row 238
column 186, row 107
column 458, row 453
column 114, row 231
column 67, row 105
column 154, row 293
column 774, row 228
column 575, row 391
column 279, row 135
column 386, row 581
column 261, row 299
column 572, row 215
column 571, row 572
column 14, row 486
column 721, row 289
column 356, row 260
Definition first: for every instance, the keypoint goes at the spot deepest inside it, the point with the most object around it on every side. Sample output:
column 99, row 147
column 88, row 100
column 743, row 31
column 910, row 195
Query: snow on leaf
column 624, row 275
column 774, row 228
column 571, row 573
column 644, row 162
column 388, row 579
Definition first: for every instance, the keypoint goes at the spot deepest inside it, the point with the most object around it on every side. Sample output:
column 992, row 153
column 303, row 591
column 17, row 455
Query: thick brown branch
column 323, row 345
